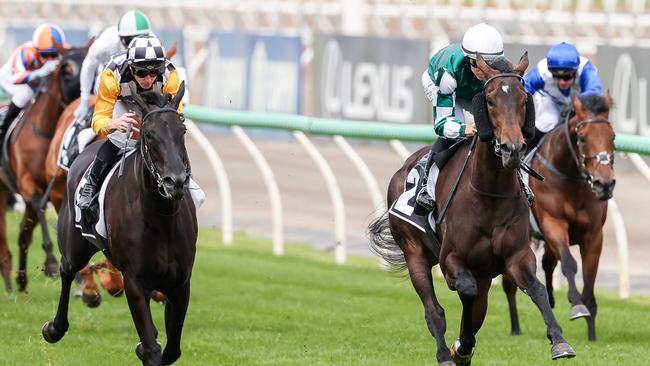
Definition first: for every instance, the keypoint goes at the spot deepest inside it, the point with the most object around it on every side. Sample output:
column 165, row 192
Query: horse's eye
column 581, row 139
column 490, row 103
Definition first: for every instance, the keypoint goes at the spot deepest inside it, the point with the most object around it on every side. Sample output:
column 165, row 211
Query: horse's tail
column 384, row 245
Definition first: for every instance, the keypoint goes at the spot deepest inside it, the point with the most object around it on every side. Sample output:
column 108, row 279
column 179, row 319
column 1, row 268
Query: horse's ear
column 171, row 51
column 609, row 100
column 523, row 64
column 89, row 43
column 484, row 67
column 139, row 101
column 176, row 101
column 577, row 105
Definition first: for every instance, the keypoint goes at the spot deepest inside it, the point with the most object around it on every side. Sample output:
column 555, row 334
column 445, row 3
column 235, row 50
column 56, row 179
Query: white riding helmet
column 483, row 39
column 133, row 23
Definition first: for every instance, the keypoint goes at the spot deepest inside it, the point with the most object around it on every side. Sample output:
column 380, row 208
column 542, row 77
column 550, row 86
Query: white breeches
column 547, row 113
column 21, row 94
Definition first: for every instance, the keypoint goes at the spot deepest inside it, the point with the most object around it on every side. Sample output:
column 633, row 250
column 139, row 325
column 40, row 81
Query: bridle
column 495, row 140
column 146, row 154
column 581, row 160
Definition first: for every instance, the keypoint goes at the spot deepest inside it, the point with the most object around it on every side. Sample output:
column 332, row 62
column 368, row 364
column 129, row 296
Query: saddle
column 76, row 137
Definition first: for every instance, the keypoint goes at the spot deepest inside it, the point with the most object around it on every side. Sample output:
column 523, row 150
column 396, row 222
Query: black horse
column 152, row 229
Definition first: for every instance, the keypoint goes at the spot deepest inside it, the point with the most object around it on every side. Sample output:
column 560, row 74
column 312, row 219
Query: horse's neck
column 45, row 111
column 488, row 174
column 556, row 150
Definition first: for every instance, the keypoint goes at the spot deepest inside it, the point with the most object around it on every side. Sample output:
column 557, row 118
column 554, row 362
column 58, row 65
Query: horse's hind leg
column 137, row 296
column 178, row 299
column 590, row 257
column 51, row 265
column 510, row 288
column 521, row 267
column 53, row 331
column 24, row 239
column 5, row 254
column 419, row 267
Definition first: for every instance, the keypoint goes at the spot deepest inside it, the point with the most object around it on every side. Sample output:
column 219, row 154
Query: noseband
column 146, row 154
column 602, row 157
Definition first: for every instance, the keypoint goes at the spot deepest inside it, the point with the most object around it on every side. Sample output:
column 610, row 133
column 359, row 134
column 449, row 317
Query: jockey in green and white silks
column 450, row 82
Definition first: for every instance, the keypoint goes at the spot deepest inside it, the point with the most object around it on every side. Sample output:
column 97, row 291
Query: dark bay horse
column 110, row 278
column 27, row 148
column 485, row 232
column 152, row 229
column 577, row 159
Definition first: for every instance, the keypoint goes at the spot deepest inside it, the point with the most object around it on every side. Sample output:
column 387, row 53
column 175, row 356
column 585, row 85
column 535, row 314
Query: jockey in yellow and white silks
column 143, row 67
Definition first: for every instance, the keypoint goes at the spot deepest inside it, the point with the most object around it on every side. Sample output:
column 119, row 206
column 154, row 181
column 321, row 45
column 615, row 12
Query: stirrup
column 424, row 200
column 87, row 197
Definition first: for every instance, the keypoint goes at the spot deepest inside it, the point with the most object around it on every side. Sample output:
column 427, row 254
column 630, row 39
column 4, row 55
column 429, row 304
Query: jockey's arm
column 172, row 84
column 20, row 69
column 109, row 90
column 533, row 81
column 445, row 123
column 88, row 68
column 590, row 81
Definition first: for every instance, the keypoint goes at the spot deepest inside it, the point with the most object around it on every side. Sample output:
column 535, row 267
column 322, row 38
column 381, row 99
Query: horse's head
column 504, row 112
column 594, row 139
column 162, row 142
column 69, row 71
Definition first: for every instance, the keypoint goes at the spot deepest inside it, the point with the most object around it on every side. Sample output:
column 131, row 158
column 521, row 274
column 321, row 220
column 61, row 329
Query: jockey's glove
column 82, row 109
column 46, row 69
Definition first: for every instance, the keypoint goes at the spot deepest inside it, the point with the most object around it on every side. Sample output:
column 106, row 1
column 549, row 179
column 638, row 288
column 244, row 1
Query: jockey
column 141, row 68
column 111, row 41
column 554, row 82
column 450, row 82
column 28, row 65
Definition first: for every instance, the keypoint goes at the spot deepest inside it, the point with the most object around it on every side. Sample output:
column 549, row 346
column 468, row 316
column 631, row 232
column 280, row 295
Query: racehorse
column 110, row 278
column 152, row 228
column 485, row 230
column 27, row 146
column 577, row 159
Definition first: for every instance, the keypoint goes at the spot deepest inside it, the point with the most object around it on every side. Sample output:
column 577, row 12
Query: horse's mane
column 501, row 64
column 597, row 104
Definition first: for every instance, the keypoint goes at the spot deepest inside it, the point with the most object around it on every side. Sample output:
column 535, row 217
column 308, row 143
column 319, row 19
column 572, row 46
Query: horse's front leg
column 51, row 265
column 419, row 265
column 461, row 280
column 521, row 267
column 148, row 350
column 558, row 238
column 178, row 299
column 510, row 288
column 24, row 239
column 549, row 262
column 5, row 254
column 590, row 251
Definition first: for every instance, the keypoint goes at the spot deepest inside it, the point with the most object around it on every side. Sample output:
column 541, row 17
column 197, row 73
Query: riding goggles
column 48, row 54
column 144, row 71
column 563, row 74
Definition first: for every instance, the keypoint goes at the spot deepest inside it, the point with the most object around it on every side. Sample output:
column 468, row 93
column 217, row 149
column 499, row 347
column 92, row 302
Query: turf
column 249, row 307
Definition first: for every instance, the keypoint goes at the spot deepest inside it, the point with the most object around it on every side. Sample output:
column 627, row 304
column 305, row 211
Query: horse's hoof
column 92, row 301
column 51, row 268
column 515, row 332
column 50, row 333
column 459, row 359
column 139, row 350
column 562, row 350
column 448, row 363
column 579, row 311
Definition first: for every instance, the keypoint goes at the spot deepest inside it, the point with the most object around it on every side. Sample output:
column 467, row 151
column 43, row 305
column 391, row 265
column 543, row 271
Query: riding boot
column 12, row 112
column 423, row 199
column 106, row 157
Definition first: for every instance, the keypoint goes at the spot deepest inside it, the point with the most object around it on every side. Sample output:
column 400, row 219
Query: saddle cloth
column 76, row 137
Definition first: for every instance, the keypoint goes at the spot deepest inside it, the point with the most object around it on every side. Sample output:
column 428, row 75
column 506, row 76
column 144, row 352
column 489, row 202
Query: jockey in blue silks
column 554, row 81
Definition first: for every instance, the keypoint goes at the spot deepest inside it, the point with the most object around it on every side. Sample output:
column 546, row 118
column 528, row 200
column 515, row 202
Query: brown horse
column 152, row 229
column 577, row 159
column 485, row 231
column 27, row 148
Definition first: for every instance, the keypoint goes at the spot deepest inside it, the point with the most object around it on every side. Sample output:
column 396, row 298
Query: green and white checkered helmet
column 133, row 23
